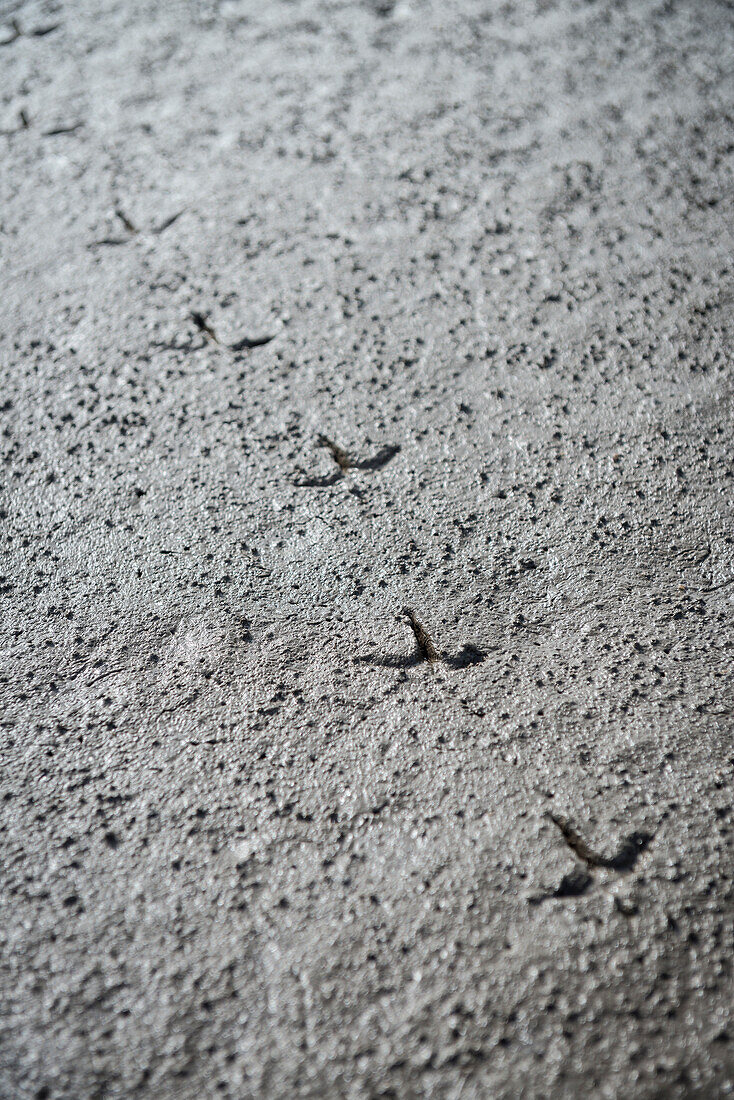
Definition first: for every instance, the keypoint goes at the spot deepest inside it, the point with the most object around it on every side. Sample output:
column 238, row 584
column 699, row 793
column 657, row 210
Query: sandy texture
column 311, row 312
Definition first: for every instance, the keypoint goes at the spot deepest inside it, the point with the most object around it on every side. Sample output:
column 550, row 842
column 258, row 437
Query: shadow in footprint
column 166, row 224
column 383, row 456
column 378, row 660
column 345, row 461
column 573, row 885
column 467, row 656
column 623, row 860
column 108, row 241
column 248, row 342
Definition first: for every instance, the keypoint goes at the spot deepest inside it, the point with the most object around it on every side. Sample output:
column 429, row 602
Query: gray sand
column 254, row 844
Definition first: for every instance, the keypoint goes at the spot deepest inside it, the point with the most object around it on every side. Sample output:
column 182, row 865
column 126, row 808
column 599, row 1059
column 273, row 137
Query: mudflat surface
column 253, row 844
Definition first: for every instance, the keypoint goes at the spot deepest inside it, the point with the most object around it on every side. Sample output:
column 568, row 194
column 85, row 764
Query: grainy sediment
column 250, row 846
